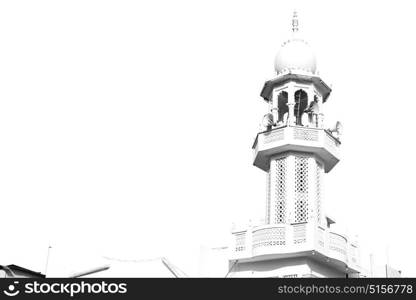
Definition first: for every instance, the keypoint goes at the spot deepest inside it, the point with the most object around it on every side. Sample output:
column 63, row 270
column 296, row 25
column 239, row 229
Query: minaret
column 295, row 150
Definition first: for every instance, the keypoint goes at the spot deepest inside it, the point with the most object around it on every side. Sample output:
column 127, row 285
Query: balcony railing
column 281, row 239
column 296, row 138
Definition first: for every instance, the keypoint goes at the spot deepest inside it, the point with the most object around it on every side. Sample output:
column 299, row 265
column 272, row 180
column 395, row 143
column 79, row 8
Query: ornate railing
column 268, row 237
column 291, row 238
column 296, row 138
column 240, row 241
column 306, row 134
column 275, row 135
column 338, row 246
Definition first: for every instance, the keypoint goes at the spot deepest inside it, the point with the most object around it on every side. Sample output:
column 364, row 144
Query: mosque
column 296, row 150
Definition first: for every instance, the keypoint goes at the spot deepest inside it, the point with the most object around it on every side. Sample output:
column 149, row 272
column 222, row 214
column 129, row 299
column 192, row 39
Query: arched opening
column 301, row 103
column 282, row 105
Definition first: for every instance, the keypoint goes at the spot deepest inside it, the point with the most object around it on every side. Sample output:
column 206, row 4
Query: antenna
column 47, row 260
column 371, row 265
column 387, row 260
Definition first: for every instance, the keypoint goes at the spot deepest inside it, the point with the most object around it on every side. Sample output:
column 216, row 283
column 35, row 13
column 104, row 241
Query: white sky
column 126, row 127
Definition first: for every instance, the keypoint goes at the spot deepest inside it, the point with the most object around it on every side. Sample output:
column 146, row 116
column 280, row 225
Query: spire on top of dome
column 295, row 54
column 295, row 22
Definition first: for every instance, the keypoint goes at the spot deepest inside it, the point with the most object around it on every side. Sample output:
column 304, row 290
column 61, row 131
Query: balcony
column 296, row 139
column 293, row 240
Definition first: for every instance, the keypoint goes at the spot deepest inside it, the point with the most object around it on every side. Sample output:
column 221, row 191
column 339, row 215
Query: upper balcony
column 297, row 139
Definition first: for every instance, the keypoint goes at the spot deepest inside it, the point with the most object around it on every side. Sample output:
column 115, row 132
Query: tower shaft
column 294, row 189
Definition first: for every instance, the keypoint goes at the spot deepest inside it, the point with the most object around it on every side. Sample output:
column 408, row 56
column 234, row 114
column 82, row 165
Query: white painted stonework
column 295, row 149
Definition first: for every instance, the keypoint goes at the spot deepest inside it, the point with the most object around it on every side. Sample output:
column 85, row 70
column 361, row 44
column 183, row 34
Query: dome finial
column 295, row 54
column 295, row 22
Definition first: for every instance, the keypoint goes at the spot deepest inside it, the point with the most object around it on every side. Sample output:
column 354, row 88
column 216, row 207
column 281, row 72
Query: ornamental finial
column 295, row 22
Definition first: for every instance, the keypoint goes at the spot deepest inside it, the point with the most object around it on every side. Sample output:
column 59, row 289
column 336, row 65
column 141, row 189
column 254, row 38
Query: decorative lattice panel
column 306, row 134
column 319, row 171
column 269, row 237
column 301, row 189
column 240, row 241
column 275, row 135
column 268, row 200
column 337, row 243
column 280, row 191
column 299, row 233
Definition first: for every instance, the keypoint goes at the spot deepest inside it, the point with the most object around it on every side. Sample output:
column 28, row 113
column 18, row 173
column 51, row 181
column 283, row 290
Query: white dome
column 295, row 54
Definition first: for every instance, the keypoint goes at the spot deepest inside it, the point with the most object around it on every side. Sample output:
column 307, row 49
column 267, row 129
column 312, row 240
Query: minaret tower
column 295, row 150
column 293, row 147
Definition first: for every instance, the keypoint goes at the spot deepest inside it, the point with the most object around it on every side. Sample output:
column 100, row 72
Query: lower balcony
column 293, row 240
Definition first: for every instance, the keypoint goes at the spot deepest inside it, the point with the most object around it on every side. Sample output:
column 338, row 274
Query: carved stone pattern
column 306, row 134
column 301, row 189
column 275, row 135
column 299, row 233
column 269, row 237
column 319, row 192
column 268, row 200
column 240, row 241
column 280, row 191
column 338, row 244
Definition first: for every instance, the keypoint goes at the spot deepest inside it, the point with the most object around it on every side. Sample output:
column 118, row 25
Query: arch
column 301, row 103
column 282, row 99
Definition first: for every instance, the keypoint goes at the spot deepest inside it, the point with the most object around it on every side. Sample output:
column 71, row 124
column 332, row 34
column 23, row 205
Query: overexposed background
column 126, row 127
